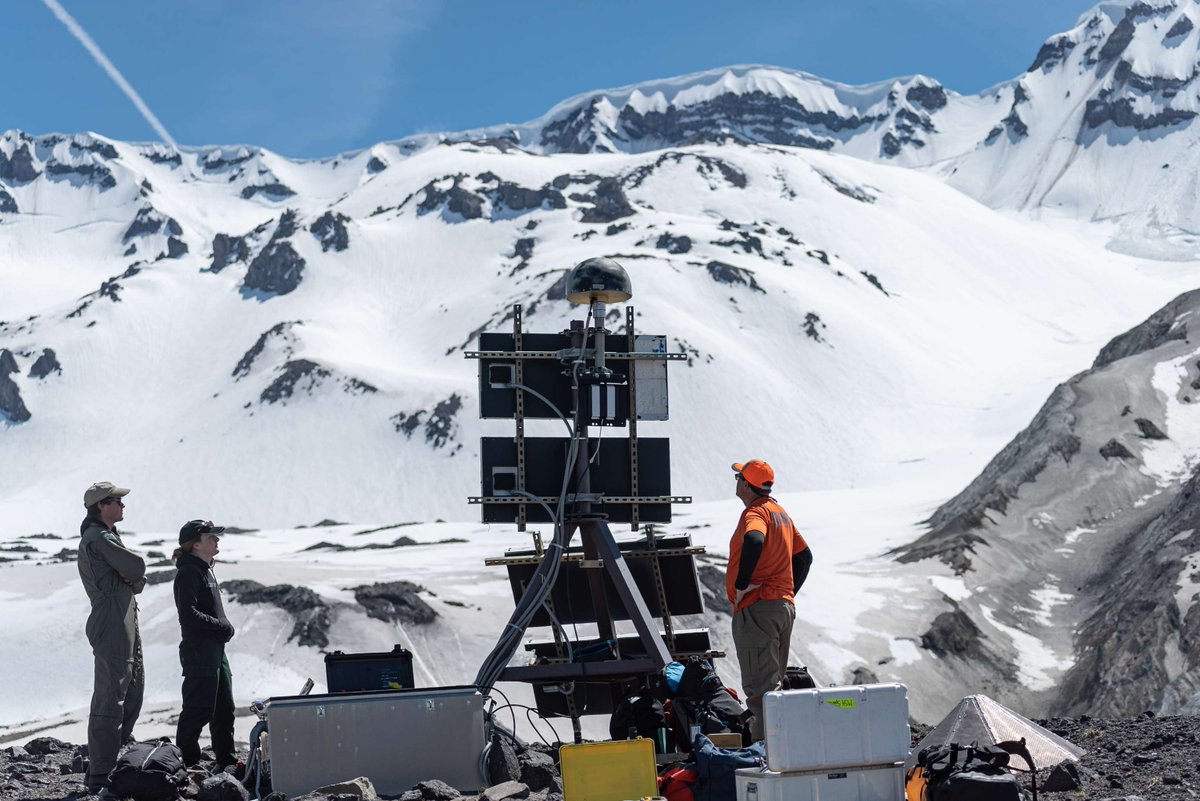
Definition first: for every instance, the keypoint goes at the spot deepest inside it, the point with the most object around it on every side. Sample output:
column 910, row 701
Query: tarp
column 979, row 719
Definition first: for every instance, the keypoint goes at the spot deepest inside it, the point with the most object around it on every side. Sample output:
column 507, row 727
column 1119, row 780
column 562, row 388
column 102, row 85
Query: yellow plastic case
column 614, row 771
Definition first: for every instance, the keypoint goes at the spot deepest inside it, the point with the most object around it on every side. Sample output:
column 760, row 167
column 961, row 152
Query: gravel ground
column 1150, row 758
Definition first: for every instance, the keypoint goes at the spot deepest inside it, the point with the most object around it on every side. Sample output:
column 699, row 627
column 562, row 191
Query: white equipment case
column 867, row 783
column 833, row 727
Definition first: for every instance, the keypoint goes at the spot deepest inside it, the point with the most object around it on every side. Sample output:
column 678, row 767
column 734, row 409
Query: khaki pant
column 116, row 704
column 762, row 635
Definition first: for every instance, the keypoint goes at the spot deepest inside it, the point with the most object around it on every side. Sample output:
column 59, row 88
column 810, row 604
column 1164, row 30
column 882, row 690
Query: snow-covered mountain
column 272, row 343
column 1100, row 127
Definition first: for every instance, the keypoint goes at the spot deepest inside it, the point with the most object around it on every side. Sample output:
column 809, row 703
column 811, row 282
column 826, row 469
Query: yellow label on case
column 843, row 703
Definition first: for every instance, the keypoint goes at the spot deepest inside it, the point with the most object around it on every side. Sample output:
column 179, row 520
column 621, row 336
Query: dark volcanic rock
column 746, row 117
column 273, row 191
column 1148, row 429
column 864, row 675
column 1062, row 778
column 150, row 221
column 928, row 97
column 44, row 746
column 724, row 273
column 90, row 145
column 953, row 634
column 608, row 202
column 1165, row 325
column 175, row 248
column 432, row 790
column 1121, row 666
column 8, row 204
column 1182, row 27
column 18, row 168
column 539, row 771
column 1121, row 36
column 242, row 368
column 290, row 377
column 277, row 269
column 173, row 158
column 96, row 174
column 1052, row 53
column 228, row 249
column 812, row 323
column 330, row 231
column 440, row 424
column 515, row 197
column 222, row 787
column 1051, row 435
column 502, row 762
column 395, row 601
column 309, row 610
column 712, row 585
column 1115, row 450
column 1121, row 113
column 456, row 199
column 376, row 165
column 11, row 405
column 673, row 244
column 46, row 364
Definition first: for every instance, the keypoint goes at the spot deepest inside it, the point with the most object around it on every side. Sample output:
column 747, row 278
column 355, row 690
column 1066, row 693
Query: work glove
column 227, row 630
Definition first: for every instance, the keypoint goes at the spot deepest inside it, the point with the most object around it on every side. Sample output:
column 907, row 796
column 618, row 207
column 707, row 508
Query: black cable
column 514, row 714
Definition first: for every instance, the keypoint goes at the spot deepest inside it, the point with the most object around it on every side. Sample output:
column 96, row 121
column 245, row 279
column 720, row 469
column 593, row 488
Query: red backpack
column 676, row 784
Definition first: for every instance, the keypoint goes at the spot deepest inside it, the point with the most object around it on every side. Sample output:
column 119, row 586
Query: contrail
column 112, row 71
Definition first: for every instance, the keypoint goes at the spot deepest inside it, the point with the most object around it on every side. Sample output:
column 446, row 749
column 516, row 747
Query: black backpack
column 149, row 771
column 798, row 678
column 972, row 773
column 699, row 699
column 642, row 713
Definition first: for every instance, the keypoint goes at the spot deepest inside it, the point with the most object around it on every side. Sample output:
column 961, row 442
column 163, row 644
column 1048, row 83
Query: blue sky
column 308, row 79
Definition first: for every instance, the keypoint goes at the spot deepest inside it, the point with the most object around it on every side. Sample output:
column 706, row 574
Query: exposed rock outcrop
column 279, row 332
column 150, row 221
column 18, row 168
column 278, row 269
column 46, row 364
column 395, row 602
column 330, row 231
column 724, row 273
column 227, row 250
column 273, row 191
column 310, row 612
column 441, row 427
column 1139, row 649
column 11, row 405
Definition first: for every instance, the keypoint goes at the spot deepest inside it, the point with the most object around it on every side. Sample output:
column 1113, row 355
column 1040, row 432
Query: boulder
column 222, row 787
column 505, row 792
column 502, row 762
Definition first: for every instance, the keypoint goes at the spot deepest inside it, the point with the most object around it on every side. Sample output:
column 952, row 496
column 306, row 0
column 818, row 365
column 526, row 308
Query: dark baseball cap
column 198, row 528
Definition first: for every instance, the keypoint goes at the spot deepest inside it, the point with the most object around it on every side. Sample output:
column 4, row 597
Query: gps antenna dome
column 598, row 280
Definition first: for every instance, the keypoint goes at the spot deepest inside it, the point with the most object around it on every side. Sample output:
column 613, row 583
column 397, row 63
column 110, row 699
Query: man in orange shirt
column 768, row 563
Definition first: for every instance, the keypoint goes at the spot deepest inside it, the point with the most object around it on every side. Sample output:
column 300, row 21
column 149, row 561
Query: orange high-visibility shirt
column 781, row 541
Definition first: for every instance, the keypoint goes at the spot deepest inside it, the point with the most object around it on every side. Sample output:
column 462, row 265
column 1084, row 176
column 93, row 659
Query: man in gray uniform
column 112, row 574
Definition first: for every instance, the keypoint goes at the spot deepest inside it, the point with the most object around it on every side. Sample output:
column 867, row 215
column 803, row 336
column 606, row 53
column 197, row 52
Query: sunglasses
column 117, row 501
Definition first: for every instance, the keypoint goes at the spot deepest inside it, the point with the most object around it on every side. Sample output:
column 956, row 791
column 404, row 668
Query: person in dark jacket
column 111, row 574
column 207, row 681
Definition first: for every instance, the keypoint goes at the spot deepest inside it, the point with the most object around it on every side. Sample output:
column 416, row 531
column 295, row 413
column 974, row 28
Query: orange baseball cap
column 756, row 472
